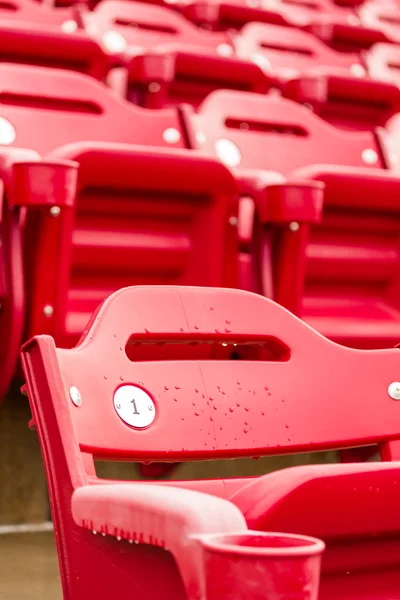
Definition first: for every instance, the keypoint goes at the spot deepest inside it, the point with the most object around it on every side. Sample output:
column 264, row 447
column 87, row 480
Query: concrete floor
column 29, row 567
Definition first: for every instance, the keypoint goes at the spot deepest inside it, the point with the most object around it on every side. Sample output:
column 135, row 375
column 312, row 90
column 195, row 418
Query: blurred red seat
column 350, row 261
column 34, row 12
column 345, row 101
column 170, row 75
column 142, row 26
column 48, row 45
column 291, row 52
column 94, row 402
column 140, row 215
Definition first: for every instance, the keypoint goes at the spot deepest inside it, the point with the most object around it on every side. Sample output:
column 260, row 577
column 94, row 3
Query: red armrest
column 158, row 515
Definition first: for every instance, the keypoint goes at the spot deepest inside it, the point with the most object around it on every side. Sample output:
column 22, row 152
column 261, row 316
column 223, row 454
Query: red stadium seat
column 383, row 16
column 289, row 53
column 140, row 215
column 71, row 107
column 27, row 181
column 169, row 60
column 96, row 402
column 50, row 46
column 170, row 75
column 245, row 130
column 383, row 62
column 342, row 297
column 34, row 12
column 345, row 101
column 143, row 26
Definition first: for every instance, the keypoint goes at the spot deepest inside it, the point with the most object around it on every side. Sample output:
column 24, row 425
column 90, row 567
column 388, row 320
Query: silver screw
column 233, row 221
column 150, row 407
column 154, row 87
column 75, row 395
column 394, row 390
column 171, row 135
column 369, row 156
column 294, row 226
column 118, row 406
column 48, row 311
column 55, row 211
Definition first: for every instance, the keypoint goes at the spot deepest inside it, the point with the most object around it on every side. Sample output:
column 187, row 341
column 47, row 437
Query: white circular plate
column 134, row 406
column 7, row 132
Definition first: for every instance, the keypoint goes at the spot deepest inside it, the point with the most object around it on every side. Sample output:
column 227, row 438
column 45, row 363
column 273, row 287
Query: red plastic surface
column 28, row 182
column 71, row 107
column 144, row 26
column 351, row 273
column 243, row 408
column 34, row 12
column 345, row 101
column 257, row 125
column 128, row 227
column 290, row 52
column 48, row 45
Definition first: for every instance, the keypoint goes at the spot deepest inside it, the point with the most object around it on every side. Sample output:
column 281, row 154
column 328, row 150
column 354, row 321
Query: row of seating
column 183, row 149
column 342, row 279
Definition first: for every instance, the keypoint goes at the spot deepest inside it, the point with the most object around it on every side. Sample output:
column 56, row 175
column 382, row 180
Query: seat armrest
column 162, row 516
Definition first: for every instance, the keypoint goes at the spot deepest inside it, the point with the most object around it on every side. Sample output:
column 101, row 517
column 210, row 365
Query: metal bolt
column 200, row 137
column 171, row 135
column 394, row 390
column 55, row 211
column 114, row 42
column 75, row 395
column 224, row 50
column 154, row 87
column 357, row 70
column 233, row 221
column 48, row 311
column 150, row 407
column 369, row 156
column 228, row 152
column 69, row 26
column 294, row 226
column 7, row 132
column 94, row 532
column 118, row 406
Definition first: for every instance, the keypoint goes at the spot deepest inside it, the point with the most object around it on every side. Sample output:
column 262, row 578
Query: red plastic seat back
column 290, row 51
column 71, row 107
column 48, row 45
column 129, row 227
column 33, row 12
column 251, row 131
column 383, row 61
column 220, row 408
column 144, row 25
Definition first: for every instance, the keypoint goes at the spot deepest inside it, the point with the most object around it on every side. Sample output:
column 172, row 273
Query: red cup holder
column 254, row 565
